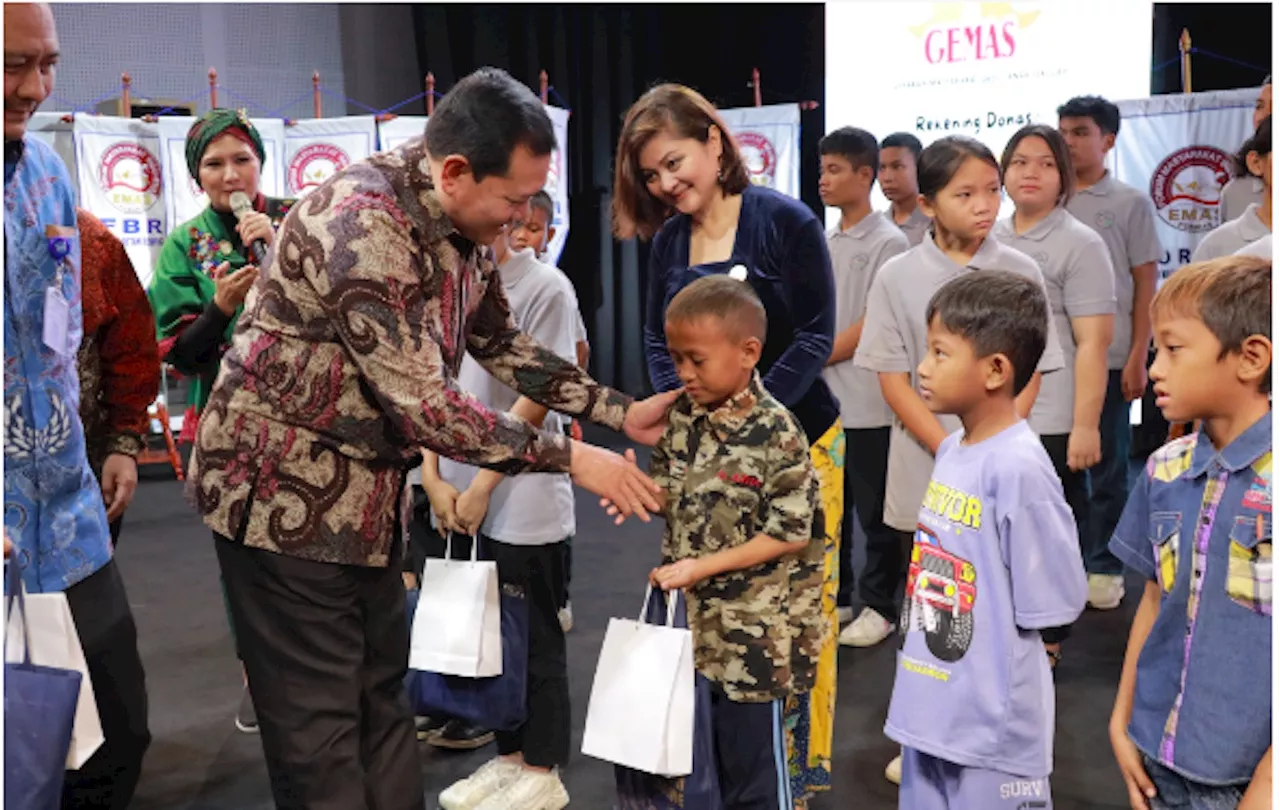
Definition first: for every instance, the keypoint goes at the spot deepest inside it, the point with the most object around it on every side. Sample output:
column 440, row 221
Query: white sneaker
column 868, row 630
column 565, row 615
column 1105, row 591
column 532, row 790
column 492, row 778
column 844, row 615
column 893, row 771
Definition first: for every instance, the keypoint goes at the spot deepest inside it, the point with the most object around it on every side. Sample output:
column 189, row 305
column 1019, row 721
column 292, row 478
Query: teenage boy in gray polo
column 1123, row 216
column 899, row 155
column 862, row 242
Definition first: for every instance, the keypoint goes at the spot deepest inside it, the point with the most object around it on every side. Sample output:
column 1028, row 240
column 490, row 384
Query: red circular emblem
column 130, row 177
column 1187, row 187
column 759, row 156
column 313, row 164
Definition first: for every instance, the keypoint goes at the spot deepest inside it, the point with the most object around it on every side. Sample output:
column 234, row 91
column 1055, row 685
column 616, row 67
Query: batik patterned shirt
column 343, row 366
column 729, row 475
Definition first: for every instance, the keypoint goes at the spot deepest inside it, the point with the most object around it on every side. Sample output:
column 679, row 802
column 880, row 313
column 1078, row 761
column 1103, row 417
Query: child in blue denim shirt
column 1191, row 726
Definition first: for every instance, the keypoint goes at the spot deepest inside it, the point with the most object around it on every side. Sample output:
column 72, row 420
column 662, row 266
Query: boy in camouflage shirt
column 741, row 496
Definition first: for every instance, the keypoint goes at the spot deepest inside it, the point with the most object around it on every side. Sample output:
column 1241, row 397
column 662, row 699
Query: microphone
column 241, row 206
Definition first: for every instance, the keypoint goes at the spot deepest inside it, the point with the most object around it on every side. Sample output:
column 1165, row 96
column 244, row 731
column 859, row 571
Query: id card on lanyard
column 57, row 309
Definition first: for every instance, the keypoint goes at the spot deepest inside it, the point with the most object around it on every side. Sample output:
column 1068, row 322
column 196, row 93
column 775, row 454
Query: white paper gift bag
column 457, row 628
column 54, row 642
column 640, row 713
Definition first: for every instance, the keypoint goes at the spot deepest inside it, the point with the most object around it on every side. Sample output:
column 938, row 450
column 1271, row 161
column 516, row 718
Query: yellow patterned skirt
column 810, row 717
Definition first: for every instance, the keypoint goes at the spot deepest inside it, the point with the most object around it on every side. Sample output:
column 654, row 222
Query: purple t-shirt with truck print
column 996, row 558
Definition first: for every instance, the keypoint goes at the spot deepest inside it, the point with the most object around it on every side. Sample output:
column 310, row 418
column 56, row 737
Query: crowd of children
column 984, row 370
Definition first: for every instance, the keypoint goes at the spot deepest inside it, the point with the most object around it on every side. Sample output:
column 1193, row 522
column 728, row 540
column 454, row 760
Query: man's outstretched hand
column 615, row 479
column 647, row 418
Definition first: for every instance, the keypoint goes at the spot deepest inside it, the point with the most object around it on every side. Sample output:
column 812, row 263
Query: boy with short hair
column 741, row 501
column 859, row 245
column 1125, row 219
column 995, row 560
column 1198, row 529
column 899, row 157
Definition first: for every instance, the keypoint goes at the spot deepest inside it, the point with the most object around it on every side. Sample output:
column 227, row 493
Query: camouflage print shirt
column 729, row 475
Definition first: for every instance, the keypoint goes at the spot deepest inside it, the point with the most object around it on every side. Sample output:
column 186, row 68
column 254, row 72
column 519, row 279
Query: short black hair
column 732, row 302
column 944, row 157
column 1259, row 141
column 997, row 312
column 904, row 140
column 855, row 145
column 484, row 118
column 1057, row 147
column 1105, row 114
column 542, row 202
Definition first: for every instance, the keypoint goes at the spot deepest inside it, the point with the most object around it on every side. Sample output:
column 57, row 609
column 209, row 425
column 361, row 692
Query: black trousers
column 104, row 623
column 326, row 649
column 1075, row 486
column 866, row 468
column 751, row 753
column 540, row 571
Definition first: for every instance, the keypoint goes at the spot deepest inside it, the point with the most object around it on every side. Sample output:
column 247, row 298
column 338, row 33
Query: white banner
column 50, row 128
column 1179, row 148
column 394, row 133
column 978, row 69
column 769, row 140
column 315, row 149
column 183, row 198
column 558, row 184
column 121, row 183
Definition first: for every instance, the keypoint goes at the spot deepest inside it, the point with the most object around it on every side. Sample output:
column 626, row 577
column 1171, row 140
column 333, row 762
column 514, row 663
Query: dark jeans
column 1175, row 792
column 326, row 649
column 1110, row 482
column 866, row 466
column 109, row 637
column 1075, row 486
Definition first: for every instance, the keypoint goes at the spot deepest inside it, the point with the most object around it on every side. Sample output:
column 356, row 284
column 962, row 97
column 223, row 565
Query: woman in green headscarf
column 204, row 273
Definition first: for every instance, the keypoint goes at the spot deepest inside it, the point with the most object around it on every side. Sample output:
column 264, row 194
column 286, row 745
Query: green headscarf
column 210, row 126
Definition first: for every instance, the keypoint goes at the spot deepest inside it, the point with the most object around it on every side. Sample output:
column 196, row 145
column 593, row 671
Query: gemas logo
column 1187, row 188
column 759, row 157
column 955, row 34
column 130, row 177
column 313, row 164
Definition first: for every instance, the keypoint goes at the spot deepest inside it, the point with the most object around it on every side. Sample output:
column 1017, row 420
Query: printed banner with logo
column 184, row 199
column 558, row 184
column 402, row 128
column 1179, row 148
column 50, row 128
column 317, row 148
column 121, row 182
column 769, row 140
column 979, row 69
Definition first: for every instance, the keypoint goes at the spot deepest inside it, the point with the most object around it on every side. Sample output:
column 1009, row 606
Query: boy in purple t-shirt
column 996, row 559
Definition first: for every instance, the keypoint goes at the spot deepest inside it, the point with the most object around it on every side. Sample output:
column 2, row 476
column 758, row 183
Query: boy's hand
column 677, row 575
column 1084, row 448
column 1135, row 776
column 471, row 507
column 444, row 503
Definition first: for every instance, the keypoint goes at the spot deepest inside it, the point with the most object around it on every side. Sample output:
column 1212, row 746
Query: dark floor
column 199, row 760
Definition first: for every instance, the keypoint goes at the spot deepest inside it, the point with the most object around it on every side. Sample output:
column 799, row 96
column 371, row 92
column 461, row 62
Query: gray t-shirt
column 1260, row 248
column 996, row 559
column 894, row 341
column 856, row 256
column 1231, row 237
column 1126, row 220
column 1078, row 276
column 915, row 228
column 1238, row 195
column 531, row 508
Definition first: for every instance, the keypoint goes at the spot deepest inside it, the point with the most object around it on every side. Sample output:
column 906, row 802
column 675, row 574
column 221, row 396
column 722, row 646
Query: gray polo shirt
column 1260, row 248
column 856, row 256
column 1231, row 237
column 894, row 340
column 1126, row 221
column 1078, row 276
column 915, row 228
column 1238, row 195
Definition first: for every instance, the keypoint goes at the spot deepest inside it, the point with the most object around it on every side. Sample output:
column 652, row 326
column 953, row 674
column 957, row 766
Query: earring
column 720, row 175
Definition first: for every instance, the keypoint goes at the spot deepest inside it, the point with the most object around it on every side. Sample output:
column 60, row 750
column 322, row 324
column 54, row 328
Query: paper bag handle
column 448, row 547
column 17, row 599
column 671, row 605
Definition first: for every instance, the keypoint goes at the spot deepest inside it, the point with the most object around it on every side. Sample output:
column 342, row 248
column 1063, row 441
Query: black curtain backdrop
column 600, row 58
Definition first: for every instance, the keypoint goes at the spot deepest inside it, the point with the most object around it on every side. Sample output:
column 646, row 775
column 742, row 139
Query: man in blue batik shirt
column 53, row 511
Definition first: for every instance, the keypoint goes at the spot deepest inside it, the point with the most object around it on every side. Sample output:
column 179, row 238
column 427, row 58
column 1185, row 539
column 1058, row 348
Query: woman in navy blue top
column 681, row 181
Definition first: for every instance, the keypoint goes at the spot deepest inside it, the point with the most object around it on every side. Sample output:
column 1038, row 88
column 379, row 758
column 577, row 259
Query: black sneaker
column 425, row 726
column 458, row 735
column 247, row 716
